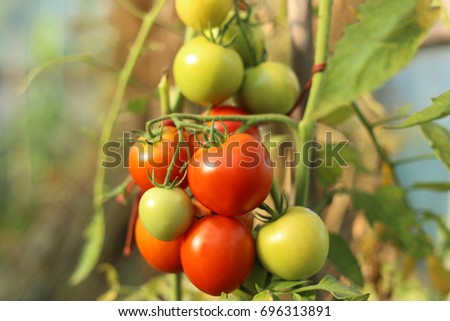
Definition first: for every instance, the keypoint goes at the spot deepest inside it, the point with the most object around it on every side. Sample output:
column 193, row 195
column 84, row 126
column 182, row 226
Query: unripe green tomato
column 295, row 246
column 255, row 38
column 166, row 213
column 270, row 87
column 207, row 73
column 203, row 14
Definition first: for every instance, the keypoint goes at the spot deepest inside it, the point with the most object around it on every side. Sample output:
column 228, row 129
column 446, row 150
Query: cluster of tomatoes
column 197, row 195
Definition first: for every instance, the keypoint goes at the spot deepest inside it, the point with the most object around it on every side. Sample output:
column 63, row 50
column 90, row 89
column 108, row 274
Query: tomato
column 270, row 87
column 147, row 158
column 166, row 213
column 233, row 178
column 217, row 254
column 203, row 14
column 295, row 246
column 254, row 35
column 207, row 73
column 232, row 126
column 162, row 256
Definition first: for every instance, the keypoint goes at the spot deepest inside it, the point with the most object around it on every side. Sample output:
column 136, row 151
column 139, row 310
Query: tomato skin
column 203, row 14
column 166, row 213
column 217, row 254
column 270, row 87
column 231, row 179
column 207, row 73
column 145, row 158
column 162, row 256
column 231, row 126
column 295, row 246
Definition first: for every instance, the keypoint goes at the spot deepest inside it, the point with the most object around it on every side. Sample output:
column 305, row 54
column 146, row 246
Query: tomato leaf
column 265, row 295
column 305, row 296
column 281, row 285
column 439, row 109
column 94, row 236
column 138, row 105
column 434, row 186
column 337, row 289
column 374, row 49
column 439, row 138
column 342, row 257
column 388, row 205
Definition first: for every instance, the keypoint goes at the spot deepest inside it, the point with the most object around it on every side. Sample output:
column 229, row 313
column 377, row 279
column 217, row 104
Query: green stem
column 164, row 101
column 106, row 134
column 132, row 8
column 306, row 127
column 177, row 287
column 248, row 43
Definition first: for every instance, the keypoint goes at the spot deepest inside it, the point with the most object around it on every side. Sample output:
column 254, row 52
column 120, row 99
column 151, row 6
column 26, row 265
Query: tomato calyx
column 273, row 214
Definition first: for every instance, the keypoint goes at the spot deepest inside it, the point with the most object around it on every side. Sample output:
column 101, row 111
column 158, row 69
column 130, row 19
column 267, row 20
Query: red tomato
column 217, row 254
column 163, row 256
column 144, row 158
column 232, row 126
column 231, row 179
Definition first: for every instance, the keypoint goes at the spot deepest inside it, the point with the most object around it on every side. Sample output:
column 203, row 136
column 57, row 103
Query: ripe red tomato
column 145, row 158
column 233, row 178
column 217, row 254
column 163, row 256
column 232, row 126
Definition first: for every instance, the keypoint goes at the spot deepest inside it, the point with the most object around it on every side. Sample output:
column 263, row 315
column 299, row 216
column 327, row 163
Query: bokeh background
column 48, row 133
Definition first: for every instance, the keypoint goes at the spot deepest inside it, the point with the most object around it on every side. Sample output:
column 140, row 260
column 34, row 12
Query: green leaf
column 337, row 289
column 282, row 285
column 265, row 295
column 138, row 105
column 342, row 257
column 439, row 138
column 94, row 235
column 434, row 186
column 439, row 109
column 388, row 205
column 305, row 296
column 373, row 50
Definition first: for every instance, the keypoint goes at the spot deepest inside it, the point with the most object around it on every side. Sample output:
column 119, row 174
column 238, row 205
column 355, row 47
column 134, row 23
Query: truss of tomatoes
column 212, row 242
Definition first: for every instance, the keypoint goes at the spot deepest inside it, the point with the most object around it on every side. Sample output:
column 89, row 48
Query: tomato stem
column 248, row 43
column 306, row 128
column 163, row 89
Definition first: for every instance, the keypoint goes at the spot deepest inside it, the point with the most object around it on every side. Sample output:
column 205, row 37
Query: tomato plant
column 239, row 170
column 231, row 126
column 217, row 254
column 203, row 14
column 295, row 246
column 269, row 87
column 147, row 158
column 207, row 73
column 166, row 213
column 161, row 255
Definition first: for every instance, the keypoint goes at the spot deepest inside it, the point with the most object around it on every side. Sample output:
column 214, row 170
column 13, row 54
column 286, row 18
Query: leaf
column 373, row 50
column 94, row 235
column 388, row 205
column 282, row 285
column 337, row 289
column 265, row 295
column 305, row 296
column 434, row 186
column 342, row 257
column 439, row 109
column 439, row 138
column 138, row 105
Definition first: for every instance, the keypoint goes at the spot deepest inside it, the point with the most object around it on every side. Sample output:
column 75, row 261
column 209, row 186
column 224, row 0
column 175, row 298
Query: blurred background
column 48, row 133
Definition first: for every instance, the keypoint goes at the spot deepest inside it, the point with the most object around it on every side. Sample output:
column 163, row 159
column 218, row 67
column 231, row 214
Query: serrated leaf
column 434, row 186
column 342, row 257
column 439, row 138
column 138, row 105
column 388, row 205
column 94, row 236
column 373, row 50
column 337, row 289
column 265, row 295
column 281, row 285
column 439, row 109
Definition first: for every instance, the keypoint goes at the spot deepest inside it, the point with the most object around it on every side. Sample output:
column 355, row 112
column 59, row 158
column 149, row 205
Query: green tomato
column 295, row 246
column 166, row 213
column 255, row 38
column 203, row 14
column 270, row 87
column 207, row 73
